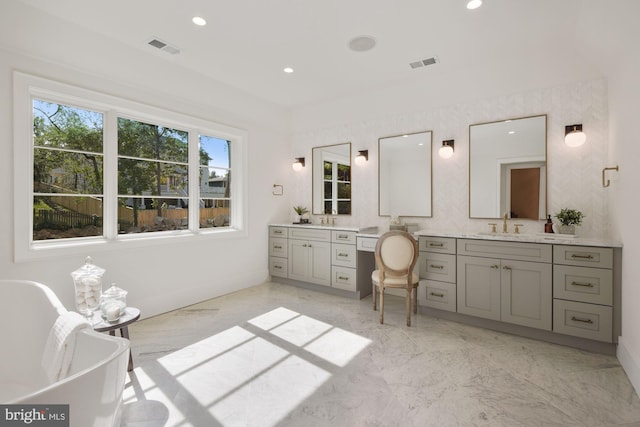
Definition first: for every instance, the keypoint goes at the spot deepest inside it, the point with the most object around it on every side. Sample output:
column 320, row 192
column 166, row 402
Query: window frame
column 28, row 87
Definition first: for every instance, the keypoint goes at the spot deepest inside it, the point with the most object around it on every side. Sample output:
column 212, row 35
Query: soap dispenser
column 548, row 226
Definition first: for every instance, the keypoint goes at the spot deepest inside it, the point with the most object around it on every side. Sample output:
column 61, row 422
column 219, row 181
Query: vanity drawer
column 343, row 255
column 367, row 244
column 278, row 267
column 278, row 232
column 583, row 320
column 348, row 237
column 309, row 234
column 443, row 245
column 278, row 247
column 536, row 252
column 343, row 278
column 585, row 256
column 592, row 285
column 434, row 266
column 439, row 295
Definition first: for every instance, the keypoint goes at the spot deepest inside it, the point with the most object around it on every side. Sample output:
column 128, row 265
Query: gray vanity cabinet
column 310, row 256
column 506, row 281
column 278, row 251
column 437, row 269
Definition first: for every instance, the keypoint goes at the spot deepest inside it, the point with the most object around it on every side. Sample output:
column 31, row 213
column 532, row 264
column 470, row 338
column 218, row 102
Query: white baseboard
column 629, row 364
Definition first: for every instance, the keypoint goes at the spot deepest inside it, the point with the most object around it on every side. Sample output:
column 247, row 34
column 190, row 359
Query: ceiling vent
column 423, row 62
column 163, row 46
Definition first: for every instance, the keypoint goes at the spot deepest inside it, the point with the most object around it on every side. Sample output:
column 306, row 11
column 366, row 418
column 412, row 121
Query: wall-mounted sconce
column 362, row 157
column 298, row 164
column 474, row 4
column 573, row 135
column 446, row 151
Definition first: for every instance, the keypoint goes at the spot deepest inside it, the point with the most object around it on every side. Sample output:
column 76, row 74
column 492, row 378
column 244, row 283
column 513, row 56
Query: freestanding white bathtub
column 94, row 385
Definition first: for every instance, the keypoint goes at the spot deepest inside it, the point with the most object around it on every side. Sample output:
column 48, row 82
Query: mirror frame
column 314, row 171
column 430, row 132
column 546, row 160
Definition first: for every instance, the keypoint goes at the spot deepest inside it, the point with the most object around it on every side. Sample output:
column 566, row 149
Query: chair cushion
column 394, row 280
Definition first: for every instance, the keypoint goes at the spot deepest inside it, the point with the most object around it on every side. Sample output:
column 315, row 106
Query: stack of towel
column 58, row 351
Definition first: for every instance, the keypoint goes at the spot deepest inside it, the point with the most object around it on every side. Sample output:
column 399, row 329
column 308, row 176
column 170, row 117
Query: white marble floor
column 276, row 355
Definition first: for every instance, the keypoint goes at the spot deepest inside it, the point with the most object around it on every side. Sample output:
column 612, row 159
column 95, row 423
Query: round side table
column 131, row 314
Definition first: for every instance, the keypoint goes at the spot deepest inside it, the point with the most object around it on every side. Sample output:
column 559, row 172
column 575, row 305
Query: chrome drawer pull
column 342, row 254
column 436, row 295
column 506, row 267
column 279, row 267
column 440, row 267
column 436, row 245
column 495, row 267
column 582, row 256
column 577, row 319
column 343, row 278
column 277, row 246
column 343, row 236
column 586, row 285
column 277, row 231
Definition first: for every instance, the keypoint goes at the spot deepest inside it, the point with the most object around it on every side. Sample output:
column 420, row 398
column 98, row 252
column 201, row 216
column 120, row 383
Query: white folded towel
column 58, row 351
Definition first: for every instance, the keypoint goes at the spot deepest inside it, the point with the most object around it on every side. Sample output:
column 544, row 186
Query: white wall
column 167, row 275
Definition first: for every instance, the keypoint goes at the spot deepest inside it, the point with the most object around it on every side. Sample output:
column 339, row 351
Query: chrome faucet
column 504, row 224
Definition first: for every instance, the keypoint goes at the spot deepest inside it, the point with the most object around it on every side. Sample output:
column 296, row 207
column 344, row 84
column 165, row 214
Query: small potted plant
column 569, row 218
column 300, row 211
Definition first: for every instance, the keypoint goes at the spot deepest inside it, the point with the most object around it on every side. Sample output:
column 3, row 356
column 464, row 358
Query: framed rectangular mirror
column 404, row 175
column 331, row 188
column 508, row 168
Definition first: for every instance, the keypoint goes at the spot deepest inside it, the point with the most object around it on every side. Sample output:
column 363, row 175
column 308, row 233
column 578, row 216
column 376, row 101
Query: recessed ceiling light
column 288, row 70
column 474, row 4
column 362, row 43
column 511, row 132
column 199, row 21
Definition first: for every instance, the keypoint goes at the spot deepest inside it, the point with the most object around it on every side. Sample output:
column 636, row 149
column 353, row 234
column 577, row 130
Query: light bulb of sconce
column 575, row 137
column 446, row 152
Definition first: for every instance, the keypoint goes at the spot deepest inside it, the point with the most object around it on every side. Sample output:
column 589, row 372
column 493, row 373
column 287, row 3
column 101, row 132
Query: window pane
column 328, row 190
column 327, row 207
column 215, row 152
column 344, row 207
column 214, row 183
column 62, row 126
column 146, row 178
column 328, row 168
column 344, row 172
column 147, row 141
column 63, row 172
column 215, row 213
column 148, row 214
column 61, row 217
column 344, row 190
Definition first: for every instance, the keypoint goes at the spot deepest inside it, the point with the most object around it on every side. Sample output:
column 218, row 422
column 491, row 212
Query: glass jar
column 88, row 286
column 113, row 303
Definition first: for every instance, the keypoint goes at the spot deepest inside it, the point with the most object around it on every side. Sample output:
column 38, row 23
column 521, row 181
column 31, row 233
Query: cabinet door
column 298, row 259
column 479, row 287
column 527, row 297
column 319, row 263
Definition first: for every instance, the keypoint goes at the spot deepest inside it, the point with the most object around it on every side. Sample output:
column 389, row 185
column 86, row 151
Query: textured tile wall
column 574, row 175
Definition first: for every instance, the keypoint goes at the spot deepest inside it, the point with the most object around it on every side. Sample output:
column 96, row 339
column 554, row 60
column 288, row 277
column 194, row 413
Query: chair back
column 396, row 253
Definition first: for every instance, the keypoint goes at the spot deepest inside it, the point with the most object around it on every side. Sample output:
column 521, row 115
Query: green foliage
column 568, row 216
column 300, row 210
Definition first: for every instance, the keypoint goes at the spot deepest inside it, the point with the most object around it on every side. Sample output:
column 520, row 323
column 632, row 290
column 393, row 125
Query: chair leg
column 408, row 298
column 373, row 292
column 381, row 304
column 415, row 300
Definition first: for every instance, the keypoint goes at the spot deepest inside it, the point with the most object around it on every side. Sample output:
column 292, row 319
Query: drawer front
column 343, row 278
column 367, row 244
column 440, row 267
column 438, row 295
column 309, row 234
column 583, row 320
column 592, row 285
column 585, row 256
column 343, row 255
column 443, row 245
column 278, row 267
column 278, row 247
column 348, row 237
column 536, row 252
column 278, row 232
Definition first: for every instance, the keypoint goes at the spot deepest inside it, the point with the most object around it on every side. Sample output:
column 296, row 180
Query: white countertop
column 357, row 229
column 557, row 239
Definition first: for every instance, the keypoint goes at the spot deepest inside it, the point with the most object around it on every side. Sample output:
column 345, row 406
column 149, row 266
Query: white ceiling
column 247, row 43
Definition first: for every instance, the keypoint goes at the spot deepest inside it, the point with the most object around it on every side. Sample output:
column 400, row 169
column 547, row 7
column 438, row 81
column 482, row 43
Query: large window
column 104, row 169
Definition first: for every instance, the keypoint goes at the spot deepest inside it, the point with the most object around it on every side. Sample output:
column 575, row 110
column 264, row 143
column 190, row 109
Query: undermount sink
column 527, row 236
